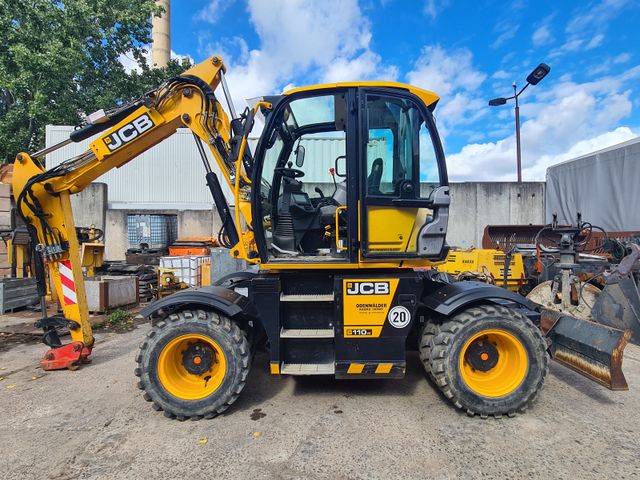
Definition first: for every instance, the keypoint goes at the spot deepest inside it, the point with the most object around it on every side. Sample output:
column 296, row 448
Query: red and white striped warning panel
column 68, row 284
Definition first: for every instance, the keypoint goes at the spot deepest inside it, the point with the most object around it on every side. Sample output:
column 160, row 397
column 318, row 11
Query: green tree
column 59, row 60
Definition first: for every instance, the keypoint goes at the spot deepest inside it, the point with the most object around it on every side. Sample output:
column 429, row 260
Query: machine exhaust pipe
column 589, row 348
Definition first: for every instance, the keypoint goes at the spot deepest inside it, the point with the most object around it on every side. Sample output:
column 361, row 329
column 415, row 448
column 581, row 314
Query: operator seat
column 375, row 177
column 284, row 236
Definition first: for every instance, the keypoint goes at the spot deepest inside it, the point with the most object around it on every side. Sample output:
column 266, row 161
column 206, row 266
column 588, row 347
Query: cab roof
column 429, row 98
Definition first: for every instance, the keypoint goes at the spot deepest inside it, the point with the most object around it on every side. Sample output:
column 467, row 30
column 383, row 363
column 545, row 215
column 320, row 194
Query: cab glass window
column 399, row 147
column 303, row 191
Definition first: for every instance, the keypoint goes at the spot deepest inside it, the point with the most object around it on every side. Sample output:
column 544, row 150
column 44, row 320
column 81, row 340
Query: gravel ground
column 94, row 423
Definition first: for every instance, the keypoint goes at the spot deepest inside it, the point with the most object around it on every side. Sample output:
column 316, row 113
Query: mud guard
column 452, row 297
column 222, row 300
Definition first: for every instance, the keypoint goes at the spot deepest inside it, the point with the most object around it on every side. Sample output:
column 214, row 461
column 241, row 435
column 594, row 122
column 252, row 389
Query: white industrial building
column 171, row 175
column 168, row 179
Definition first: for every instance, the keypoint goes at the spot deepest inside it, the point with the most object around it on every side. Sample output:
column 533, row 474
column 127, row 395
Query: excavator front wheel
column 488, row 360
column 193, row 364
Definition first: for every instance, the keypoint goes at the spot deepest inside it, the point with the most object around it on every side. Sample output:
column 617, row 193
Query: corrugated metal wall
column 171, row 176
column 168, row 176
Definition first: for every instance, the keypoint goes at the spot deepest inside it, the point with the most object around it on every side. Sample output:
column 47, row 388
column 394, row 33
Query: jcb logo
column 128, row 132
column 367, row 288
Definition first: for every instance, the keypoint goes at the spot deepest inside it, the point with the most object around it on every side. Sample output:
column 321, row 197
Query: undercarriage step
column 307, row 298
column 307, row 333
column 308, row 368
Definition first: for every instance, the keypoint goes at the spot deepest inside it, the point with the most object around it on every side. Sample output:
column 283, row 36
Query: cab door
column 404, row 194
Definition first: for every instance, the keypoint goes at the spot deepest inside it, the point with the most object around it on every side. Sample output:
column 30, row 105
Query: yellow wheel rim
column 493, row 363
column 191, row 367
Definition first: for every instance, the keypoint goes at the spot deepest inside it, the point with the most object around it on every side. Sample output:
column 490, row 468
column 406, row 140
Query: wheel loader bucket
column 588, row 348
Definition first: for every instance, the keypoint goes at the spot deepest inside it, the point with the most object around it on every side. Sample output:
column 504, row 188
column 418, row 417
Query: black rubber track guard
column 221, row 300
column 452, row 297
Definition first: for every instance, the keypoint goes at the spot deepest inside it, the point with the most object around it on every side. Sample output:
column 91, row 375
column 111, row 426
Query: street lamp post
column 518, row 150
column 533, row 78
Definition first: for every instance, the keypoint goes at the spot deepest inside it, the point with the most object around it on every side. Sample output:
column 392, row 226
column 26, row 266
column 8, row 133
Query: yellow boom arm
column 43, row 196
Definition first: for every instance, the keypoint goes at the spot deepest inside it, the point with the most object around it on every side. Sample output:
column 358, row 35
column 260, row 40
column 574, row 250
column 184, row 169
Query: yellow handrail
column 338, row 246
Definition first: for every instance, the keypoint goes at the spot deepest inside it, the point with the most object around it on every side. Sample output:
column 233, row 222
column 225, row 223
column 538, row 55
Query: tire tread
column 435, row 349
column 188, row 316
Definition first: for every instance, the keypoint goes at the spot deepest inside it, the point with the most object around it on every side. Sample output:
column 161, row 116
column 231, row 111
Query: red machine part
column 68, row 356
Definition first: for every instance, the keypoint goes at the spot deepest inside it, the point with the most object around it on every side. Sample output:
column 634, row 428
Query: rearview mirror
column 300, row 156
column 341, row 166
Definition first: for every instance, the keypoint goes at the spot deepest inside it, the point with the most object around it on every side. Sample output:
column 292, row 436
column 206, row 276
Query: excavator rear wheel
column 487, row 360
column 193, row 364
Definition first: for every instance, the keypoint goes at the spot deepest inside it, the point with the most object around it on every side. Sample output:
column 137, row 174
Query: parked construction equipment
column 486, row 265
column 610, row 295
column 343, row 284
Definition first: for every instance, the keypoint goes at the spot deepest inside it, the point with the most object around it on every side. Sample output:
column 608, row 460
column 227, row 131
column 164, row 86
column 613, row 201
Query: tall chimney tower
column 161, row 36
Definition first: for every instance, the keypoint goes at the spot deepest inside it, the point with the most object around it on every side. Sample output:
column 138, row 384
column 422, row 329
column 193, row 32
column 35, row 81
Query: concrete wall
column 115, row 235
column 474, row 205
column 90, row 206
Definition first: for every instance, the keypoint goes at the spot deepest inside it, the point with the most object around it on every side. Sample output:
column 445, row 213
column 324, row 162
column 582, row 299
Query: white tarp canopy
column 604, row 186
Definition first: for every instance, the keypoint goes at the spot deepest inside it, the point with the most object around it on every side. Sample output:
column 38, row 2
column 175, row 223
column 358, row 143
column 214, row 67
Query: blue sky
column 466, row 51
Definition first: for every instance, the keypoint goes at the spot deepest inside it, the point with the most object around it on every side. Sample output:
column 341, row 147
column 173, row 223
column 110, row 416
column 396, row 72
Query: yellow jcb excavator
column 343, row 285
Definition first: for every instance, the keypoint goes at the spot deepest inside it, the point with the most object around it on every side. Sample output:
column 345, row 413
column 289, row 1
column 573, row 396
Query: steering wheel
column 289, row 172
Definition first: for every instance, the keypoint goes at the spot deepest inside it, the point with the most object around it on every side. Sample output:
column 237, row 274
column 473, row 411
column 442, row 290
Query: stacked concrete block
column 5, row 224
column 107, row 292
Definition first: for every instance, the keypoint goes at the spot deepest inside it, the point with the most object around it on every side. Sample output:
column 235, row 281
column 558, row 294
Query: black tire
column 430, row 330
column 225, row 333
column 446, row 348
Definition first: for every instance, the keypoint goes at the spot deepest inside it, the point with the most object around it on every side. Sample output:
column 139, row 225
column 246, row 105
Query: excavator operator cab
column 344, row 166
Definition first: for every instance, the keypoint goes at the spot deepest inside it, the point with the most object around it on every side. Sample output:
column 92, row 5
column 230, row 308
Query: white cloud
column 181, row 57
column 452, row 75
column 506, row 30
column 445, row 71
column 322, row 41
column 542, row 36
column 595, row 42
column 233, row 50
column 574, row 44
column 596, row 16
column 500, row 75
column 298, row 34
column 622, row 58
column 461, row 109
column 564, row 121
column 213, row 11
column 433, row 7
column 366, row 66
column 585, row 30
column 129, row 63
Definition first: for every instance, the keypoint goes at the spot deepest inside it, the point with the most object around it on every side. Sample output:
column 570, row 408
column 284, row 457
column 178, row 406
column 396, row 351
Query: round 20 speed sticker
column 399, row 317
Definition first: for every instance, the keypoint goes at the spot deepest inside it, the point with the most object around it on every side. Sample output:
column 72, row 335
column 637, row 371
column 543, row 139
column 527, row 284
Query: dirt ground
column 94, row 423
